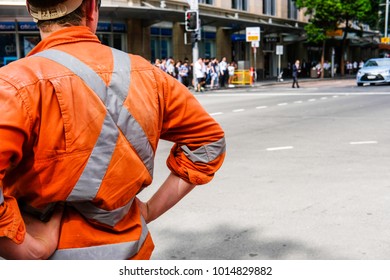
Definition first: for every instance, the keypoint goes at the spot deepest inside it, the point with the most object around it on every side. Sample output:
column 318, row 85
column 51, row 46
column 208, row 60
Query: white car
column 374, row 71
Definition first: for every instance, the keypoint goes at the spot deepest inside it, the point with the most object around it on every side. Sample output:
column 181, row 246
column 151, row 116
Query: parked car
column 374, row 71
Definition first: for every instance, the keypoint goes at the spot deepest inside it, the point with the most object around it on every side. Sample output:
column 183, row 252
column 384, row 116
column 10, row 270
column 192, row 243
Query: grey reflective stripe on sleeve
column 119, row 251
column 1, row 197
column 206, row 153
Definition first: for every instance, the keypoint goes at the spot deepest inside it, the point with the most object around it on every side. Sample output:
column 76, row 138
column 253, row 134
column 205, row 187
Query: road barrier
column 242, row 77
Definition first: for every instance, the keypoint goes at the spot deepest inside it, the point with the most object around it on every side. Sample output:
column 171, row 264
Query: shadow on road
column 227, row 243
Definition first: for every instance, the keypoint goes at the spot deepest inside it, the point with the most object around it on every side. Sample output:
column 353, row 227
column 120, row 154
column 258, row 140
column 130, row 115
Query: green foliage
column 327, row 15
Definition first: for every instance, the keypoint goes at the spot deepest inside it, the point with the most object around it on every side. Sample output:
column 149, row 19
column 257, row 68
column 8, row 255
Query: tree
column 329, row 15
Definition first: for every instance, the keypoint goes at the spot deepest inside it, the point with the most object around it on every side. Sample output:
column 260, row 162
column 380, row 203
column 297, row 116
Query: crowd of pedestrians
column 203, row 74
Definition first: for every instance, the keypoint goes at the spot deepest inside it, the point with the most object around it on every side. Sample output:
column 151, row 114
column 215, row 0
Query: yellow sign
column 253, row 38
column 385, row 40
column 334, row 33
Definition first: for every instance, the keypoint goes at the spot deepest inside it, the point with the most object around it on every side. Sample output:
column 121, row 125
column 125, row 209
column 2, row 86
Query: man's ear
column 91, row 8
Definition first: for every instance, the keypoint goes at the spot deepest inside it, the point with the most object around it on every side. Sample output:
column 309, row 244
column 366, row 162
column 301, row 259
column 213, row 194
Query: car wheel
column 359, row 84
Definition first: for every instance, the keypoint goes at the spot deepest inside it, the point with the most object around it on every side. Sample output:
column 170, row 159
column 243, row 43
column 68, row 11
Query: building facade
column 156, row 29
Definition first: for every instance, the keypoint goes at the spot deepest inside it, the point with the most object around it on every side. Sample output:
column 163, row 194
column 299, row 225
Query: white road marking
column 216, row 114
column 363, row 142
column 298, row 102
column 238, row 110
column 261, row 107
column 311, row 100
column 280, row 148
column 282, row 104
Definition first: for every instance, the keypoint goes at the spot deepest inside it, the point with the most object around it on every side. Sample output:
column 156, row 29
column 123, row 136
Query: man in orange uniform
column 79, row 128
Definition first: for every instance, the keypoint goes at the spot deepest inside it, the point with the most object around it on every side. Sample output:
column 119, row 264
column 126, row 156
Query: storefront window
column 112, row 34
column 161, row 43
column 7, row 48
column 27, row 43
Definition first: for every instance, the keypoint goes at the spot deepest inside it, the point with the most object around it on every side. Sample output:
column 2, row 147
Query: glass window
column 28, row 42
column 269, row 7
column 161, row 43
column 7, row 48
column 292, row 10
column 239, row 5
column 210, row 2
column 112, row 34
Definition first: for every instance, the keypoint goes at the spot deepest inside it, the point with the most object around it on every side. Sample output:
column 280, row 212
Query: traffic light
column 192, row 20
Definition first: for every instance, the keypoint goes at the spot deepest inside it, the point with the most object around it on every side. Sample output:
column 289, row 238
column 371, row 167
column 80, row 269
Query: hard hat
column 53, row 12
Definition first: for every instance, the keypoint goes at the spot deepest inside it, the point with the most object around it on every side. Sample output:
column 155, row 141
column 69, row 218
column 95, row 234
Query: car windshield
column 372, row 63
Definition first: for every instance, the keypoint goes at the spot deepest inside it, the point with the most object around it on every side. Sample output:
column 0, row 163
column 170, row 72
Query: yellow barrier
column 242, row 77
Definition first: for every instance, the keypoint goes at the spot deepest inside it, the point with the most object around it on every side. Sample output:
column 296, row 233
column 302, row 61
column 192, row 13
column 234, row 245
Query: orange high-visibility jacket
column 80, row 123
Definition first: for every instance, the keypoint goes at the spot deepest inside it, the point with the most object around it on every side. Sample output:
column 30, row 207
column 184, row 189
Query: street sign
column 279, row 49
column 194, row 4
column 252, row 34
column 255, row 44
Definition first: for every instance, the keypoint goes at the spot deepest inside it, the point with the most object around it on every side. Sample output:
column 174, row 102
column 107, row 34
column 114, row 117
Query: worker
column 79, row 127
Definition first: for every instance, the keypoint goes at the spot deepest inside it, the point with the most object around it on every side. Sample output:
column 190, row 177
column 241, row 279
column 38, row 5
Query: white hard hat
column 57, row 11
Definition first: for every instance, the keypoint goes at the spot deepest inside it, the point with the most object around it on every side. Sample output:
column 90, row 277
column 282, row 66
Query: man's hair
column 72, row 19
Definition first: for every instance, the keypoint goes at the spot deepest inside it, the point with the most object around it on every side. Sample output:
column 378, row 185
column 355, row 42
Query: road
column 306, row 177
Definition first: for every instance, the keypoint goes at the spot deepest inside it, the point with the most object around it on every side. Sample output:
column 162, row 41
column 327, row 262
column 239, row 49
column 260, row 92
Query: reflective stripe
column 1, row 197
column 113, row 97
column 119, row 251
column 207, row 152
column 136, row 136
column 110, row 218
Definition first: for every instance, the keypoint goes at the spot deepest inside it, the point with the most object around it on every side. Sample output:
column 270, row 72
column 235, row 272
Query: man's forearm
column 170, row 193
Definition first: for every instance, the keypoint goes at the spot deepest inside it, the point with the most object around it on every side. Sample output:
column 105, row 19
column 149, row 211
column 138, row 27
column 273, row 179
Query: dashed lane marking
column 363, row 142
column 238, row 110
column 280, row 148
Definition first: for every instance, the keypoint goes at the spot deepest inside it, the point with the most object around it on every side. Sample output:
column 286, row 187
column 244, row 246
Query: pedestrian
column 223, row 72
column 200, row 74
column 184, row 74
column 214, row 73
column 231, row 70
column 295, row 71
column 79, row 127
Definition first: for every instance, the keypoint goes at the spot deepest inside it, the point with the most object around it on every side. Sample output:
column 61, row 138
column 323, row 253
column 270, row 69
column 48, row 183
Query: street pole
column 194, row 5
column 386, row 17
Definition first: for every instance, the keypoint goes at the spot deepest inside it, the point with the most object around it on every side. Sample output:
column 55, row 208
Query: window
column 292, row 10
column 269, row 7
column 161, row 42
column 210, row 2
column 239, row 5
column 7, row 48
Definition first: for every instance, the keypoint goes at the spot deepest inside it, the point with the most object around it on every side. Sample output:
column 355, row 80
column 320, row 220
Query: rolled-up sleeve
column 200, row 144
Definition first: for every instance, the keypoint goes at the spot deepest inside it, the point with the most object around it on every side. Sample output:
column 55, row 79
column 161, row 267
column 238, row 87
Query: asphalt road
column 306, row 177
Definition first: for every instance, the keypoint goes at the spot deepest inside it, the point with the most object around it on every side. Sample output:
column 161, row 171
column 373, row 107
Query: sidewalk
column 274, row 82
